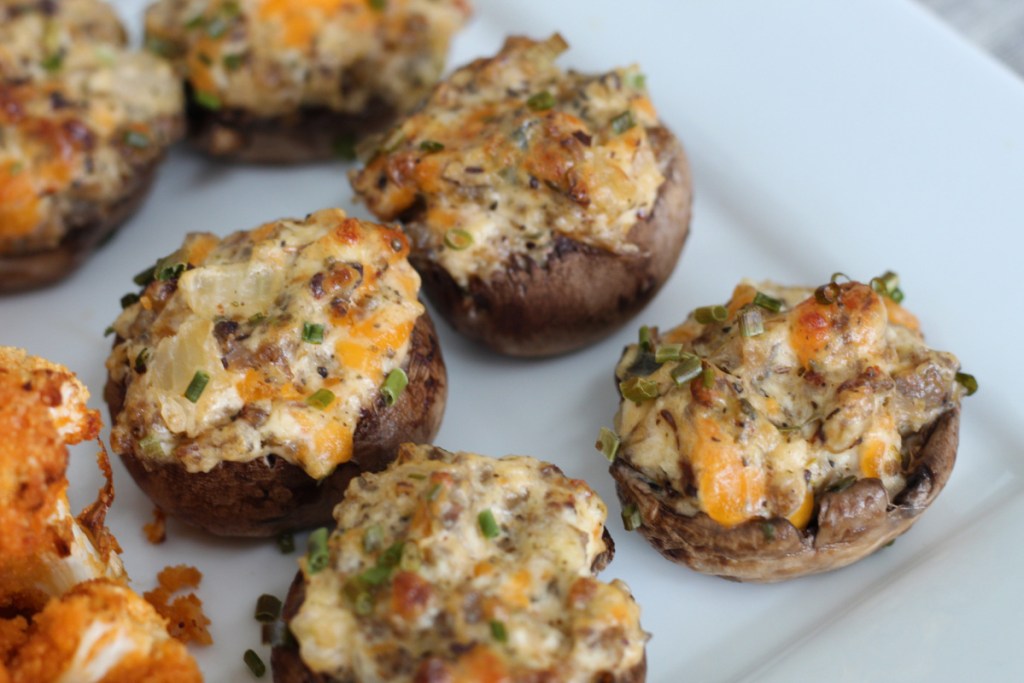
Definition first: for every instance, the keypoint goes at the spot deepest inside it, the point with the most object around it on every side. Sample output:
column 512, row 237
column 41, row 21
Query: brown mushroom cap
column 267, row 496
column 851, row 523
column 581, row 293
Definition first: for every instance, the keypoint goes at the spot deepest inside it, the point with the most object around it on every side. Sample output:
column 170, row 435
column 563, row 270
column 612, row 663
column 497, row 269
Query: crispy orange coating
column 99, row 626
column 185, row 617
column 156, row 531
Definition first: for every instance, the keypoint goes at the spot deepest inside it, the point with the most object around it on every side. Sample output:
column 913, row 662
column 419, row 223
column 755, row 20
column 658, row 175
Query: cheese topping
column 78, row 114
column 824, row 395
column 463, row 568
column 294, row 326
column 271, row 57
column 511, row 152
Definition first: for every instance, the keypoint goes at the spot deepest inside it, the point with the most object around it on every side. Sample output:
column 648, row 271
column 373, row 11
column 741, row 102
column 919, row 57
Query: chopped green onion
column 206, row 100
column 136, row 139
column 689, row 367
column 255, row 664
column 231, row 8
column 391, row 556
column 886, row 283
column 623, row 122
column 631, row 518
column 541, row 101
column 394, row 385
column 419, row 476
column 376, row 576
column 434, row 492
column 144, row 277
column 706, row 315
column 843, row 484
column 233, row 62
column 768, row 531
column 431, row 146
column 411, row 558
column 196, row 21
column 363, row 603
column 317, row 554
column 160, row 46
column 608, row 443
column 286, row 543
column 488, row 525
column 379, row 5
column 668, row 352
column 216, row 27
column 645, row 338
column 52, row 62
column 896, row 295
column 109, row 331
column 637, row 81
column 498, row 631
column 142, row 360
column 312, row 333
column 751, row 322
column 967, row 381
column 638, row 389
column 839, row 278
column 129, row 299
column 197, row 385
column 708, row 376
column 458, row 239
column 151, row 446
column 257, row 318
column 373, row 538
column 321, row 398
column 169, row 268
column 268, row 608
column 769, row 303
column 344, row 147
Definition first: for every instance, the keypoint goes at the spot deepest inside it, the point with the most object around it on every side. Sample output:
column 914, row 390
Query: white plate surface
column 825, row 136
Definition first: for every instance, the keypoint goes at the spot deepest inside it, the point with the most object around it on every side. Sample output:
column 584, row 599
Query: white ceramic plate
column 824, row 136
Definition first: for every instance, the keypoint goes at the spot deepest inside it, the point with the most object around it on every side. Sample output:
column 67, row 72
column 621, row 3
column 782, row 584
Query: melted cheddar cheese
column 79, row 114
column 512, row 152
column 271, row 57
column 824, row 395
column 420, row 587
column 275, row 317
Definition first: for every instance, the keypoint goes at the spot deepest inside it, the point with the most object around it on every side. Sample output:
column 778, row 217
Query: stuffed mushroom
column 83, row 125
column 284, row 81
column 546, row 208
column 462, row 568
column 255, row 375
column 789, row 432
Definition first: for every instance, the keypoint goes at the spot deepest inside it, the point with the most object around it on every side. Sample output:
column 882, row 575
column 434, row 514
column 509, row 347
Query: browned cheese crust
column 267, row 496
column 851, row 524
column 84, row 123
column 546, row 207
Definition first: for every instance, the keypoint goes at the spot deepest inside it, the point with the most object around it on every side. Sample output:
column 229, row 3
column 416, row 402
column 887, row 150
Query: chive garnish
column 255, row 664
column 706, row 315
column 363, row 603
column 637, row 81
column 129, row 299
column 379, row 5
column 458, row 239
column 843, row 484
column 321, row 398
column 541, row 101
column 142, row 359
column 312, row 333
column 431, row 146
column 344, row 147
column 768, row 531
column 751, row 322
column 826, row 295
column 668, row 352
column 645, row 338
column 498, row 631
column 109, row 331
column 638, row 389
column 623, row 122
column 708, row 376
column 967, row 381
column 373, row 538
column 689, row 367
column 434, row 491
column 411, row 559
column 419, row 476
column 136, row 139
column 168, row 268
column 317, row 555
column 206, row 100
column 197, row 385
column 375, row 576
column 488, row 525
column 151, row 446
column 268, row 608
column 53, row 62
column 391, row 556
column 196, row 21
column 286, row 543
column 896, row 295
column 631, row 518
column 144, row 277
column 608, row 443
column 394, row 385
column 233, row 62
column 769, row 303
